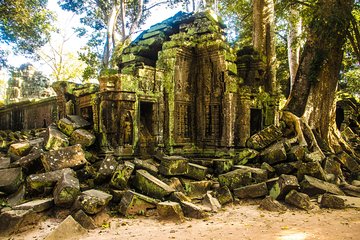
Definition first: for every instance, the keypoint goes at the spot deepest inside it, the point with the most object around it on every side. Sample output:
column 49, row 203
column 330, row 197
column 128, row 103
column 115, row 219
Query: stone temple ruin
column 185, row 127
column 181, row 88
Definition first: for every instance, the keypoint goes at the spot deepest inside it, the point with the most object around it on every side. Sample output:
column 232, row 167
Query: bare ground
column 238, row 221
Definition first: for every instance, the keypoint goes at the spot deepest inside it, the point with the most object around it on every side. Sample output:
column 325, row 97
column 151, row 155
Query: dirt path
column 243, row 221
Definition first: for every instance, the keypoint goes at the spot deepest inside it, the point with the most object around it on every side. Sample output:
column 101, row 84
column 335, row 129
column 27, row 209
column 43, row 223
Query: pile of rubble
column 55, row 169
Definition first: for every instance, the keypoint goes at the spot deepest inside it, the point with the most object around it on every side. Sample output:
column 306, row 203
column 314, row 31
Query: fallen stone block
column 175, row 183
column 350, row 190
column 55, row 139
column 223, row 194
column 286, row 168
column 67, row 157
column 211, row 202
column 68, row 229
column 316, row 156
column 264, row 138
column 79, row 121
column 349, row 162
column 107, row 169
column 252, row 191
column 276, row 153
column 10, row 179
column 17, row 197
column 19, row 149
column 332, row 167
column 352, row 202
column 179, row 197
column 197, row 189
column 38, row 205
column 122, row 175
column 313, row 169
column 196, row 171
column 283, row 186
column 236, row 178
column 31, row 162
column 82, row 137
column 42, row 181
column 66, row 126
column 150, row 185
column 258, row 174
column 193, row 211
column 269, row 169
column 66, row 190
column 297, row 153
column 313, row 186
column 206, row 162
column 245, row 155
column 149, row 165
column 92, row 201
column 299, row 200
column 222, row 165
column 332, row 201
column 170, row 211
column 13, row 220
column 173, row 165
column 84, row 220
column 133, row 203
column 270, row 204
column 4, row 162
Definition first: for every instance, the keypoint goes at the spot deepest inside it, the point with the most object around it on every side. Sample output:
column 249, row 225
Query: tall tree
column 24, row 24
column 313, row 95
column 264, row 37
column 293, row 40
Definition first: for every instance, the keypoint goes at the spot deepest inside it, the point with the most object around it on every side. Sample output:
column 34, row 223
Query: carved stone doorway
column 147, row 139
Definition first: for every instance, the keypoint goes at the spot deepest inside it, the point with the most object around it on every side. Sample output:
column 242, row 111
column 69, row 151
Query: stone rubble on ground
column 61, row 175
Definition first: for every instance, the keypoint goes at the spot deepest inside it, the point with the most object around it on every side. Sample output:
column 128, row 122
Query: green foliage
column 24, row 24
column 238, row 18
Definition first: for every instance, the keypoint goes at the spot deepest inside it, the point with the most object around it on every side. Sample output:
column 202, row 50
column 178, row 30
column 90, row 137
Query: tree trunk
column 264, row 38
column 293, row 42
column 110, row 29
column 313, row 95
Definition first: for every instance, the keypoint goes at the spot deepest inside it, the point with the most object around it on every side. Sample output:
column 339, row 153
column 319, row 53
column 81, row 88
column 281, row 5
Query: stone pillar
column 244, row 118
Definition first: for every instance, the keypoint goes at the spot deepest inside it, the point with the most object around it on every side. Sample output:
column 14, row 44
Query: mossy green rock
column 66, row 189
column 82, row 137
column 196, row 171
column 276, row 153
column 151, row 186
column 173, row 165
column 122, row 175
column 252, row 191
column 223, row 165
column 197, row 189
column 170, row 211
column 20, row 149
column 236, row 178
column 67, row 157
column 264, row 138
column 106, row 169
column 299, row 200
column 39, row 182
column 55, row 139
column 223, row 194
column 133, row 203
column 283, row 186
column 10, row 179
column 93, row 201
column 313, row 186
column 66, row 126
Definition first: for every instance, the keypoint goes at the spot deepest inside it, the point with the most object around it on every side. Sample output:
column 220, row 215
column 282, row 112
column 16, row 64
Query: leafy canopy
column 25, row 25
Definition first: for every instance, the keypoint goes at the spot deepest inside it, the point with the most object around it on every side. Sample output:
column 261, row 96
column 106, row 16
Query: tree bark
column 264, row 38
column 313, row 95
column 293, row 42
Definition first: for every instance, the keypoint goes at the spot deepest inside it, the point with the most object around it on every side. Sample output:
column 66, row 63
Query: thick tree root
column 302, row 130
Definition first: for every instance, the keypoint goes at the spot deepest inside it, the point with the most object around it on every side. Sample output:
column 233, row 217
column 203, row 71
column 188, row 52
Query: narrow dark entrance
column 339, row 117
column 146, row 116
column 147, row 140
column 255, row 120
